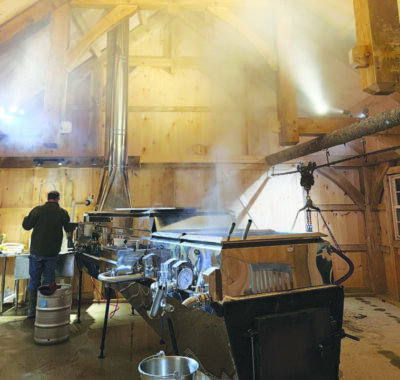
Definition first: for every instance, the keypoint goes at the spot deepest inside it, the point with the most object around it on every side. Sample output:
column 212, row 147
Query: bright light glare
column 309, row 81
column 321, row 108
column 13, row 109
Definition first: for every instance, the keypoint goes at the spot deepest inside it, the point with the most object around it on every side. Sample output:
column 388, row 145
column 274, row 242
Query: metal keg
column 53, row 316
column 164, row 367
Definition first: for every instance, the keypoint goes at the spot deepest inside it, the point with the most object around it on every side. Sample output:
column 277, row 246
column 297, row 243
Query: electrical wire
column 116, row 306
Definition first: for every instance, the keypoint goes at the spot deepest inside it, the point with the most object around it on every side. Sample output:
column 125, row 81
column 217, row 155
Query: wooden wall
column 201, row 131
column 270, row 201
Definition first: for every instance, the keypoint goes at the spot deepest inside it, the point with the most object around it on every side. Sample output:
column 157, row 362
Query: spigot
column 167, row 309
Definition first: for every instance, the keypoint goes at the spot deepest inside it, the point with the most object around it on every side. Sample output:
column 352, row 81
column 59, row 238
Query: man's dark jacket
column 47, row 222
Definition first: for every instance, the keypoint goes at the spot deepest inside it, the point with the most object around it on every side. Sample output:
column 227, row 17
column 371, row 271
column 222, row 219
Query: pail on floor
column 53, row 316
column 168, row 367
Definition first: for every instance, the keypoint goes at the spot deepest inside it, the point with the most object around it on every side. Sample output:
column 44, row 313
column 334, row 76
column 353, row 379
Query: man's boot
column 32, row 297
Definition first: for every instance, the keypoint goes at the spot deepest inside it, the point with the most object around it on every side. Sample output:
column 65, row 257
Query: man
column 47, row 221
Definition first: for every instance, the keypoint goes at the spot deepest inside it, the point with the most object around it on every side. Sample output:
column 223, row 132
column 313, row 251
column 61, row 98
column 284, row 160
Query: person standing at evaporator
column 47, row 222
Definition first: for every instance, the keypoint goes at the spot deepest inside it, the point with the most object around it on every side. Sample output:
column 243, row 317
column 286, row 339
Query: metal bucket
column 53, row 316
column 168, row 367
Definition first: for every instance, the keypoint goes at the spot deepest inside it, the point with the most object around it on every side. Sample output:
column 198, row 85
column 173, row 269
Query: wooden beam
column 116, row 15
column 338, row 207
column 377, row 185
column 287, row 104
column 365, row 127
column 322, row 126
column 378, row 39
column 262, row 47
column 166, row 62
column 83, row 28
column 186, row 109
column 56, row 79
column 147, row 24
column 353, row 247
column 376, row 263
column 343, row 183
column 27, row 18
column 187, row 4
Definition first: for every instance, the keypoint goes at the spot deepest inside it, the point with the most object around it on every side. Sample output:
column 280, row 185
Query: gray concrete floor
column 129, row 340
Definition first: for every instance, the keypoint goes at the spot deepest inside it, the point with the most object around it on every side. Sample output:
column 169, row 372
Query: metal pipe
column 230, row 231
column 156, row 302
column 365, row 127
column 114, row 189
column 87, row 202
column 246, row 231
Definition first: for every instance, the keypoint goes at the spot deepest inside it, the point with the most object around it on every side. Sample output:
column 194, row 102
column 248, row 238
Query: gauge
column 185, row 278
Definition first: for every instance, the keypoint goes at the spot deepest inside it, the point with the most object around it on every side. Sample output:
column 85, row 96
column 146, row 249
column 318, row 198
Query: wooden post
column 287, row 106
column 376, row 265
column 377, row 52
column 56, row 79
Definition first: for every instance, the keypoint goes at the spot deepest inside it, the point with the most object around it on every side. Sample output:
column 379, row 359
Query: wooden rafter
column 80, row 23
column 156, row 19
column 28, row 17
column 112, row 18
column 156, row 4
column 343, row 183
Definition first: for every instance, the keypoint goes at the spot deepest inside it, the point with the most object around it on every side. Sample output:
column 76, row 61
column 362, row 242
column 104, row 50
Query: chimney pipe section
column 364, row 127
column 114, row 189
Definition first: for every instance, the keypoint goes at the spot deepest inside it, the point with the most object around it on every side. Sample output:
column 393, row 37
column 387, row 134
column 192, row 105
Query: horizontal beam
column 338, row 207
column 365, row 127
column 156, row 4
column 321, row 126
column 165, row 62
column 188, row 109
column 353, row 247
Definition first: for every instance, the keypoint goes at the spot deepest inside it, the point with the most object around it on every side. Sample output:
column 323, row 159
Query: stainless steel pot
column 160, row 366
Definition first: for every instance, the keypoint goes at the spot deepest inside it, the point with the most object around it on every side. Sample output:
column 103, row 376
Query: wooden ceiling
column 317, row 38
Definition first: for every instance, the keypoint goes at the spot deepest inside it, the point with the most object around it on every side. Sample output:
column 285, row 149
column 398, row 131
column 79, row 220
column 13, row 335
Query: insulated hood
column 114, row 189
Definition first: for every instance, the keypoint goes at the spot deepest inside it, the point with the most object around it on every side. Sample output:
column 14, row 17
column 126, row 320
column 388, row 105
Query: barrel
column 53, row 316
column 168, row 367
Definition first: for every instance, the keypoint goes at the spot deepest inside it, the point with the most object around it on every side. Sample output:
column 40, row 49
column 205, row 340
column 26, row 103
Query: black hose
column 340, row 253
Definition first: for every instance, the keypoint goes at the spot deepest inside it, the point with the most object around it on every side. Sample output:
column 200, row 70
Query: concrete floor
column 129, row 340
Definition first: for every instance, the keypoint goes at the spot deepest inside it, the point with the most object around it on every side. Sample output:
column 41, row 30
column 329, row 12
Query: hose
column 349, row 263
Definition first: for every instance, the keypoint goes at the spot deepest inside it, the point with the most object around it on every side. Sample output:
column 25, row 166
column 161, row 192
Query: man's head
column 53, row 196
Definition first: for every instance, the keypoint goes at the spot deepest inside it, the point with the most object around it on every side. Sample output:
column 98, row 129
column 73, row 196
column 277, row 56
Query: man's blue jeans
column 41, row 266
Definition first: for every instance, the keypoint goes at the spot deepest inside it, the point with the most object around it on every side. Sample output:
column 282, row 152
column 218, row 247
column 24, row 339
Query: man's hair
column 54, row 194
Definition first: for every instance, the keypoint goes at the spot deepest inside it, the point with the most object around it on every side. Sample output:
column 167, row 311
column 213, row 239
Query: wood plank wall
column 214, row 186
column 196, row 130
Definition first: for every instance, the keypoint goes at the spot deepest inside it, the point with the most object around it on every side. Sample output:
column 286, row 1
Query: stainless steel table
column 21, row 272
